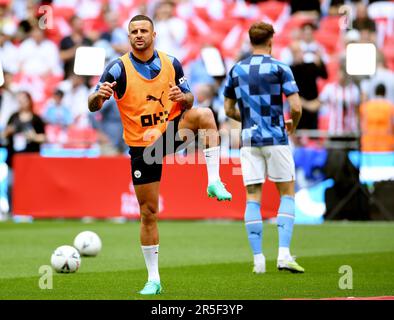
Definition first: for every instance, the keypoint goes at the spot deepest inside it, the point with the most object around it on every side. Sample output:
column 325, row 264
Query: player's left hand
column 175, row 94
column 289, row 126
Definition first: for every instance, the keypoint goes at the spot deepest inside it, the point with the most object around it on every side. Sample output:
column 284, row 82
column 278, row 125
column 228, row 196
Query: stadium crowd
column 38, row 41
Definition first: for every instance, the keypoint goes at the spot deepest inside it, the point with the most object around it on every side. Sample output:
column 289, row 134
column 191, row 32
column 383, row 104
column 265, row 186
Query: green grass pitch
column 199, row 260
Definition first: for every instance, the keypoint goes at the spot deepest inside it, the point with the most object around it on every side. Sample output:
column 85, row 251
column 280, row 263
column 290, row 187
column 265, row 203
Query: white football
column 88, row 243
column 66, row 259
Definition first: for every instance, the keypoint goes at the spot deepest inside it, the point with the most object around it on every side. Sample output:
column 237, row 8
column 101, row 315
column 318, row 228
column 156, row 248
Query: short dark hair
column 74, row 18
column 141, row 17
column 58, row 93
column 380, row 90
column 260, row 33
column 308, row 25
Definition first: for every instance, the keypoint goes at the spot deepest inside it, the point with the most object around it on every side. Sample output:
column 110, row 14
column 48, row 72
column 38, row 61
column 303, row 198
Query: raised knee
column 205, row 114
column 206, row 119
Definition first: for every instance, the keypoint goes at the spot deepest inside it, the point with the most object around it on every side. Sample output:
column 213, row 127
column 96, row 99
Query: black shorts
column 147, row 162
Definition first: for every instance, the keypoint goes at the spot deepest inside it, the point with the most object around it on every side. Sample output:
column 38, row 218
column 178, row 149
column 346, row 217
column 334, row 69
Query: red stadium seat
column 51, row 82
column 95, row 24
column 283, row 39
column 64, row 12
column 388, row 52
column 330, row 24
column 295, row 22
column 197, row 26
column 55, row 133
column 81, row 138
column 273, row 9
column 202, row 13
column 333, row 70
column 222, row 26
column 328, row 40
column 323, row 121
column 389, row 40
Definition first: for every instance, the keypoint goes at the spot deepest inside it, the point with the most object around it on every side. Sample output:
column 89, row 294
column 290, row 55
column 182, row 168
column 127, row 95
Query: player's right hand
column 106, row 90
column 289, row 126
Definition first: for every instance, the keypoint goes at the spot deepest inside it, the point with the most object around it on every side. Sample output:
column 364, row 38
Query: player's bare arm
column 295, row 111
column 96, row 99
column 176, row 95
column 231, row 111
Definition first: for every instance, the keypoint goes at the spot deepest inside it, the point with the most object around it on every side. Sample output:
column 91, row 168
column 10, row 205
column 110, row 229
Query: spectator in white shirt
column 170, row 29
column 85, row 9
column 8, row 51
column 382, row 75
column 76, row 96
column 39, row 56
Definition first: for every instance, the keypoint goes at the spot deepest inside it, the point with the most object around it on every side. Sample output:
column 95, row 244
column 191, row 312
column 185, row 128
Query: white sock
column 151, row 256
column 284, row 253
column 212, row 159
column 258, row 258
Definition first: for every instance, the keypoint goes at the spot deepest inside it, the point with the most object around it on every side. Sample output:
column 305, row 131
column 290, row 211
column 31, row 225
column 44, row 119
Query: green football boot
column 217, row 190
column 290, row 265
column 151, row 287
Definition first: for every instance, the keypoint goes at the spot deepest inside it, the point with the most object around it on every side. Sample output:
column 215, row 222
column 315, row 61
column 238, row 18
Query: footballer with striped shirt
column 256, row 84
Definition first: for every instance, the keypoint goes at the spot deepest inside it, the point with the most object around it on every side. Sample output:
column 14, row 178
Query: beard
column 141, row 47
